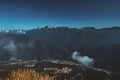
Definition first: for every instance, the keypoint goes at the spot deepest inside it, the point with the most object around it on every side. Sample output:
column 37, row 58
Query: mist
column 85, row 61
column 13, row 48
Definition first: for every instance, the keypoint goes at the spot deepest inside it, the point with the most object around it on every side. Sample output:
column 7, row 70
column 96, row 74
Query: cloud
column 85, row 61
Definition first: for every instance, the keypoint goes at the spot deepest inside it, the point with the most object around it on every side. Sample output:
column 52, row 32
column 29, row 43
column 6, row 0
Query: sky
column 28, row 14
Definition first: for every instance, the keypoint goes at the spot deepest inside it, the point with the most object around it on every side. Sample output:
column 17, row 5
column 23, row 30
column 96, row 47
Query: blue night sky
column 27, row 14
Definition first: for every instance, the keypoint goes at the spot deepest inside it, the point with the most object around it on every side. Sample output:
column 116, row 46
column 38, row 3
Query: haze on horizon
column 27, row 14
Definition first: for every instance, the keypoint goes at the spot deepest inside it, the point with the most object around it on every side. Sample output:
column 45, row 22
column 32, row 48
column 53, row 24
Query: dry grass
column 28, row 74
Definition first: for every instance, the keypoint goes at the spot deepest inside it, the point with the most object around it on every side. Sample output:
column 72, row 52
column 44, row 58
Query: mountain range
column 59, row 43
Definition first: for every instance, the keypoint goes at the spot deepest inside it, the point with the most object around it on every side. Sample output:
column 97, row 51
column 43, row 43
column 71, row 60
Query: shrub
column 28, row 74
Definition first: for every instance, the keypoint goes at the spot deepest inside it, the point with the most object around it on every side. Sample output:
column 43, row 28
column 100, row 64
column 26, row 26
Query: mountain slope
column 59, row 43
